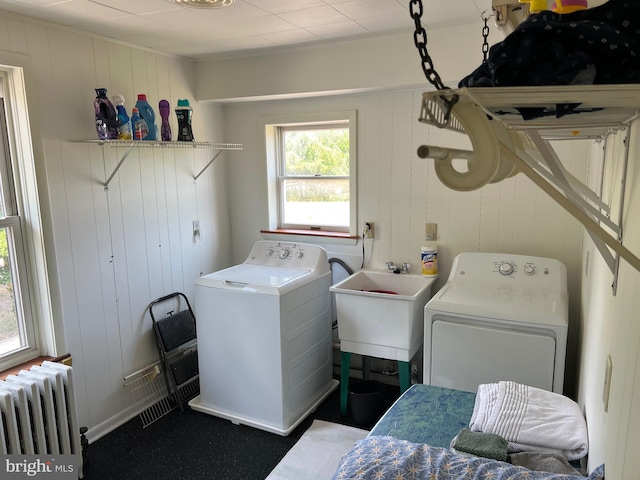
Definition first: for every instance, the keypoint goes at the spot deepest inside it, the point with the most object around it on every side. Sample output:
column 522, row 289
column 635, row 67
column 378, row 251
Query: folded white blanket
column 531, row 419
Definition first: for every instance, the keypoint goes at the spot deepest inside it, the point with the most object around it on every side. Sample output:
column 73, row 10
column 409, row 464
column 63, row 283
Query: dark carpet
column 191, row 445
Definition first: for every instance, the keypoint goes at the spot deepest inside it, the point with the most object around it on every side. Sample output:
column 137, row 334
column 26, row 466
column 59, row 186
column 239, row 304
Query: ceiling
column 247, row 26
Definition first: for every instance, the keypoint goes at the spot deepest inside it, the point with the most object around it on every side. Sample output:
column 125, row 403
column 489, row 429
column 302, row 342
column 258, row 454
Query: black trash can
column 367, row 401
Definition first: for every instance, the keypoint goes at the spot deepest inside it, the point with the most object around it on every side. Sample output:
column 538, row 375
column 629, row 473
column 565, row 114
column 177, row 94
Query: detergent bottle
column 136, row 124
column 165, row 129
column 184, row 113
column 535, row 6
column 569, row 6
column 148, row 127
column 124, row 125
column 106, row 118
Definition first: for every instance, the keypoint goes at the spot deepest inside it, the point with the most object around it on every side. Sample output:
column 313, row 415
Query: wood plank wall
column 112, row 252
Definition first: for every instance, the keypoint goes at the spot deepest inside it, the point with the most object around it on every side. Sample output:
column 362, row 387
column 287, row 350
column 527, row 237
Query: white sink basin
column 380, row 314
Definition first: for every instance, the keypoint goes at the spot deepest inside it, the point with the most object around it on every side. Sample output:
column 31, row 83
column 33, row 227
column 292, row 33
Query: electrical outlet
column 368, row 230
column 431, row 231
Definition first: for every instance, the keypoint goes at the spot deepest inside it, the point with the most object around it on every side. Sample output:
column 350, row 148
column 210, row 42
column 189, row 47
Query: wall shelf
column 485, row 114
column 131, row 144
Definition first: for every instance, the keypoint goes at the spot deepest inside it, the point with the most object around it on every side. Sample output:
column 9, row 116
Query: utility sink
column 381, row 314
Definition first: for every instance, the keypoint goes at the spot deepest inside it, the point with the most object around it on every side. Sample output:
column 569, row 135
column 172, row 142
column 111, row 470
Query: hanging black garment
column 600, row 45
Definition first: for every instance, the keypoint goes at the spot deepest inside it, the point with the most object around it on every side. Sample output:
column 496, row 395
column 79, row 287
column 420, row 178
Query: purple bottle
column 165, row 129
column 106, row 117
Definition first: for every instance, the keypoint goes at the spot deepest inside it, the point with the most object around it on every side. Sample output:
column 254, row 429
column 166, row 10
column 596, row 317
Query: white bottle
column 429, row 256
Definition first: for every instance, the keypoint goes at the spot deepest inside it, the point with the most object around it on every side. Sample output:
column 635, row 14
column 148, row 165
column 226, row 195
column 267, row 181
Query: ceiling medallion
column 205, row 3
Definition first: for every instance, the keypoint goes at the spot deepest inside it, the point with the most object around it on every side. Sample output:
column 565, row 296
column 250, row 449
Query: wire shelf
column 598, row 107
column 163, row 144
column 136, row 144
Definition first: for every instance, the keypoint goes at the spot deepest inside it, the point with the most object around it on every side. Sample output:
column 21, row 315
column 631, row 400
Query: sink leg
column 345, row 367
column 404, row 369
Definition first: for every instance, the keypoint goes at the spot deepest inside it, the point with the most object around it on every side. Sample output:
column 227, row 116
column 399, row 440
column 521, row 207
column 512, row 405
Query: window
column 23, row 278
column 312, row 165
column 16, row 325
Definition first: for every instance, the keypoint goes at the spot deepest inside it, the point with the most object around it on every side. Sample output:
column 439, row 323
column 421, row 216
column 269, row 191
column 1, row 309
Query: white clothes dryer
column 498, row 317
column 264, row 337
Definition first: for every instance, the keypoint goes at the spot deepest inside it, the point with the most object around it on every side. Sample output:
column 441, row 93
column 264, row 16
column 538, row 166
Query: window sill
column 316, row 236
column 36, row 361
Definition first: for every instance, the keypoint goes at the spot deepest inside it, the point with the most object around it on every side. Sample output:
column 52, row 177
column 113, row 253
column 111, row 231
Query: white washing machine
column 264, row 337
column 498, row 317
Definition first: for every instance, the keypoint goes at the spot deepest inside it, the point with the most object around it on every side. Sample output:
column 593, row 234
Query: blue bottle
column 124, row 125
column 136, row 124
column 147, row 118
column 106, row 119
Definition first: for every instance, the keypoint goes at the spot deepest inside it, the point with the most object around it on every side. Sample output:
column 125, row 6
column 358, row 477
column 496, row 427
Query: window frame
column 273, row 128
column 25, row 160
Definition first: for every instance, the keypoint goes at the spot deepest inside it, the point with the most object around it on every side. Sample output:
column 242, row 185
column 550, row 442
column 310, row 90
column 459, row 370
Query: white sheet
column 531, row 419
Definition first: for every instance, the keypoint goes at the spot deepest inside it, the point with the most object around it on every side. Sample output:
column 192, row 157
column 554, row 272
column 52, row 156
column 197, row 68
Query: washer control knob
column 269, row 252
column 529, row 270
column 299, row 255
column 505, row 268
column 284, row 253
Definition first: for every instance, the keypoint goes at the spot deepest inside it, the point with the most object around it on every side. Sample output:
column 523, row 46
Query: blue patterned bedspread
column 387, row 458
column 427, row 414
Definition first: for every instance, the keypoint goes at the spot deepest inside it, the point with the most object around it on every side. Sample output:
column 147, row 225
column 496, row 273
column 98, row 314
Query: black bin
column 367, row 401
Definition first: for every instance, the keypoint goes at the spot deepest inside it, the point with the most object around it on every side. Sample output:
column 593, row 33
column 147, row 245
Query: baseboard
column 100, row 430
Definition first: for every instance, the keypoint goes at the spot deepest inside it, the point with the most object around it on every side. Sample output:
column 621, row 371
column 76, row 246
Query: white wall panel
column 400, row 192
column 115, row 251
column 398, row 127
column 361, row 65
column 489, row 217
column 132, row 262
column 5, row 37
column 378, row 155
column 373, row 197
column 154, row 207
column 610, row 327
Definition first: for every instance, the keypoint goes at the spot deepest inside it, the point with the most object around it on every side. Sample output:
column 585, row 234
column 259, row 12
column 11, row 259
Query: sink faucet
column 392, row 268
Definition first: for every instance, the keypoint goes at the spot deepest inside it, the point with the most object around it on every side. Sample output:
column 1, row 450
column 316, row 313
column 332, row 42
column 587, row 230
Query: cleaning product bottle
column 429, row 254
column 136, row 124
column 184, row 113
column 165, row 130
column 147, row 118
column 569, row 6
column 535, row 6
column 106, row 118
column 124, row 125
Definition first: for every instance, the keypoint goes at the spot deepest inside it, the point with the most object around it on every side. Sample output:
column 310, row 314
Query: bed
column 427, row 414
column 412, row 439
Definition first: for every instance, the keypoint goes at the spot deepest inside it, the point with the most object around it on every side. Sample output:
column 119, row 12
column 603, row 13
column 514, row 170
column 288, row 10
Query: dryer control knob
column 299, row 255
column 269, row 252
column 284, row 253
column 529, row 270
column 505, row 268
